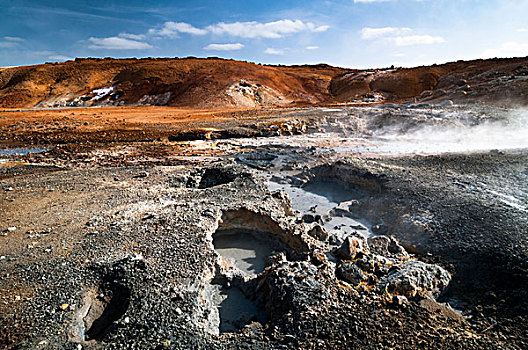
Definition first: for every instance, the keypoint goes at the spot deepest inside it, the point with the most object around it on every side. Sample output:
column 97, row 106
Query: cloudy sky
column 348, row 33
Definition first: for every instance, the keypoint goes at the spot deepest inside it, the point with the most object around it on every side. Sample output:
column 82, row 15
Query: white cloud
column 312, row 47
column 417, row 40
column 129, row 41
column 117, row 43
column 374, row 33
column 522, row 30
column 399, row 36
column 272, row 51
column 224, row 47
column 171, row 29
column 508, row 49
column 320, row 29
column 60, row 58
column 8, row 42
column 41, row 53
column 132, row 36
column 13, row 39
column 271, row 30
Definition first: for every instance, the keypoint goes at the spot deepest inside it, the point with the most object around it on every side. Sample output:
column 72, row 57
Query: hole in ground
column 245, row 241
column 217, row 176
column 263, row 227
column 333, row 190
column 247, row 250
column 236, row 310
column 351, row 178
column 106, row 307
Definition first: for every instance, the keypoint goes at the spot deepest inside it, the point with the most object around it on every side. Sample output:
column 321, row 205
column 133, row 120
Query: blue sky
column 348, row 33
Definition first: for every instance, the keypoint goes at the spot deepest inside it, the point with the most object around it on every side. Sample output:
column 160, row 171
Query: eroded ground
column 304, row 228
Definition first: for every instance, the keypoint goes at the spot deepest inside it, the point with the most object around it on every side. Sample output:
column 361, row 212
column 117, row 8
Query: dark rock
column 294, row 287
column 317, row 231
column 350, row 272
column 366, row 263
column 311, row 218
column 141, row 175
column 319, row 259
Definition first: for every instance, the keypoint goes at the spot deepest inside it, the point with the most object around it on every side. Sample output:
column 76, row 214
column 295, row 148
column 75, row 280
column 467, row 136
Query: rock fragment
column 350, row 272
column 352, row 244
column 311, row 218
column 141, row 175
column 416, row 277
column 388, row 247
column 317, row 231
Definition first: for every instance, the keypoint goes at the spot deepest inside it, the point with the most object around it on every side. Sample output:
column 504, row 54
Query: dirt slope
column 205, row 83
column 218, row 83
column 494, row 80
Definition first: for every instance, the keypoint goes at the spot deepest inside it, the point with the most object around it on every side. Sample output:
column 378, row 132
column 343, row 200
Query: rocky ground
column 183, row 241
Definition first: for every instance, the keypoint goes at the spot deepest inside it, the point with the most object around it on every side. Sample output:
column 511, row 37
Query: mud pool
column 321, row 201
column 246, row 250
column 235, row 310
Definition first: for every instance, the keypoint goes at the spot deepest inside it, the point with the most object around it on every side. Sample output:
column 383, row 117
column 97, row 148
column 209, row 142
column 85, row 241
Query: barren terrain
column 339, row 222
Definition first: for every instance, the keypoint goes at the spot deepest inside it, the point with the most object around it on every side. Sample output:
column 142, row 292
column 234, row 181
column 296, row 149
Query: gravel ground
column 105, row 252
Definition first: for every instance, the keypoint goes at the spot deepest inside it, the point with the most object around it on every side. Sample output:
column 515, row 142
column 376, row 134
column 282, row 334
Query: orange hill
column 219, row 83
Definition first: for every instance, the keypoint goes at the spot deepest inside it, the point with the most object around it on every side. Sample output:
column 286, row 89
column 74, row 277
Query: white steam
column 509, row 130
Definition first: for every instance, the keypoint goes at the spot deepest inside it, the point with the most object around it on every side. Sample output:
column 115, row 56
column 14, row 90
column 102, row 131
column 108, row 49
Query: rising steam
column 459, row 133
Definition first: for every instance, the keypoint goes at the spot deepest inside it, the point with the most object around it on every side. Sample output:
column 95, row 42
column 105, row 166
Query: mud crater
column 246, row 243
column 328, row 201
column 211, row 177
column 246, row 250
